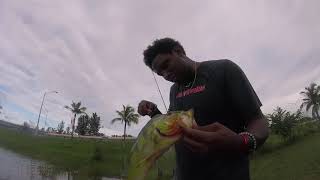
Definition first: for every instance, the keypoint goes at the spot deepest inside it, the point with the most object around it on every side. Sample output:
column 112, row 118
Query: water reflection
column 16, row 167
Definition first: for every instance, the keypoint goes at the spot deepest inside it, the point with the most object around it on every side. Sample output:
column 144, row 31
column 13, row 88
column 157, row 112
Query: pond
column 14, row 166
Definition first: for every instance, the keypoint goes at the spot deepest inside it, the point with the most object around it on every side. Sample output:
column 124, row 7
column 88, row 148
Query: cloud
column 92, row 52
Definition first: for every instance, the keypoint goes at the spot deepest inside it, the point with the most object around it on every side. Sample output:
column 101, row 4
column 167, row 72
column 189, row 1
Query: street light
column 44, row 95
column 45, row 121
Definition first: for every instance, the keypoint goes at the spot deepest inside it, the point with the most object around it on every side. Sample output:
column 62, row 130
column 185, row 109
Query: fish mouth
column 165, row 135
column 158, row 130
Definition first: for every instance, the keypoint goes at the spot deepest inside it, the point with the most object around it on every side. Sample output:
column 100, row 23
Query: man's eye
column 165, row 65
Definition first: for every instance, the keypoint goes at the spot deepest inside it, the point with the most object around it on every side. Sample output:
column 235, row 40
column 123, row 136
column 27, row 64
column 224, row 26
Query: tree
column 60, row 127
column 26, row 126
column 126, row 116
column 94, row 124
column 312, row 99
column 50, row 129
column 68, row 130
column 83, row 122
column 283, row 122
column 75, row 109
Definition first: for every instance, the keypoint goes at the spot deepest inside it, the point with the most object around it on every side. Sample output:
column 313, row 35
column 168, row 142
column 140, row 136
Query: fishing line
column 154, row 77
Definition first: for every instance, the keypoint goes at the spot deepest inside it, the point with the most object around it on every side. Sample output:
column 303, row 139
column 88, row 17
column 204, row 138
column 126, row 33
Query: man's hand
column 147, row 108
column 213, row 137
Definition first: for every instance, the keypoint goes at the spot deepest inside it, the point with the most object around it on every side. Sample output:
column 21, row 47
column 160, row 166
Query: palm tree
column 75, row 109
column 126, row 116
column 312, row 99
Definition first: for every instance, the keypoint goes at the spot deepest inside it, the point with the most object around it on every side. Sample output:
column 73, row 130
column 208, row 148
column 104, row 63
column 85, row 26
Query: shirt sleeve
column 240, row 92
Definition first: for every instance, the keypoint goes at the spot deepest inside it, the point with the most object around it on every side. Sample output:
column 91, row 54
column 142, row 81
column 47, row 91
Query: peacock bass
column 155, row 138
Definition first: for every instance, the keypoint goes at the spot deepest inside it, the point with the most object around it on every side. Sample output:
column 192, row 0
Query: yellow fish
column 155, row 138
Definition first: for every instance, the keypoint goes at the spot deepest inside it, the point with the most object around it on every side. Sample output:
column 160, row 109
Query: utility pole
column 43, row 98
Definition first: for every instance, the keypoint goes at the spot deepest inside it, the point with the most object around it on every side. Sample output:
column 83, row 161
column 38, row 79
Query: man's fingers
column 198, row 135
column 148, row 105
column 146, row 108
column 143, row 108
column 209, row 128
column 194, row 145
column 194, row 124
column 140, row 109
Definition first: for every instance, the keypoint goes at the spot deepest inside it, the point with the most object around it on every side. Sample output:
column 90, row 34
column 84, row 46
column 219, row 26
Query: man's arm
column 217, row 137
column 258, row 126
column 243, row 99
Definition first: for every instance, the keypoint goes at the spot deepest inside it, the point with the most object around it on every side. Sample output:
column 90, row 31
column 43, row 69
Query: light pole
column 45, row 121
column 44, row 95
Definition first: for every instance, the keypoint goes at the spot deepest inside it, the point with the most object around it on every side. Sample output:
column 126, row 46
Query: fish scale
column 155, row 138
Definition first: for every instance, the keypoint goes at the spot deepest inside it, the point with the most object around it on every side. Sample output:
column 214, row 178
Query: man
column 230, row 123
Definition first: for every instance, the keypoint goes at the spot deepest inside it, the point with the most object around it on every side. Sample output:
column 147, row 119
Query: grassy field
column 76, row 154
column 86, row 156
column 297, row 161
column 300, row 160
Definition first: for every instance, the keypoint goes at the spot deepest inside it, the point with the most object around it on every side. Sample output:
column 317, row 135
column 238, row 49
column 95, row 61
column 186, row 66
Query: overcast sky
column 91, row 51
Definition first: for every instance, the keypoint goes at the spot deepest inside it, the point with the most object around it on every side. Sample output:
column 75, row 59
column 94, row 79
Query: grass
column 297, row 161
column 92, row 158
column 69, row 154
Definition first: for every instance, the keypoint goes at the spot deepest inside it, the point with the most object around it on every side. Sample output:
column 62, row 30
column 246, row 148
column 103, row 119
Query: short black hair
column 160, row 46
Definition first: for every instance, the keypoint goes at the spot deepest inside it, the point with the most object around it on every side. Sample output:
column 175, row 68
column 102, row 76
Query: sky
column 91, row 51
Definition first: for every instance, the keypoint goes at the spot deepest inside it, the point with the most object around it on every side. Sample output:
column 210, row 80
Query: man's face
column 170, row 66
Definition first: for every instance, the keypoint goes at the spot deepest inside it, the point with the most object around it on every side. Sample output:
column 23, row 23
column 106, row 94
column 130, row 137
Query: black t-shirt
column 221, row 93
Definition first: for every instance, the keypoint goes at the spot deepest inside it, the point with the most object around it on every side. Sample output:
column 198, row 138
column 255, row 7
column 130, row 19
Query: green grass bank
column 92, row 158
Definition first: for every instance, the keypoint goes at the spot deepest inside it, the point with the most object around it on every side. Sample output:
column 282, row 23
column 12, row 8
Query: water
column 17, row 167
